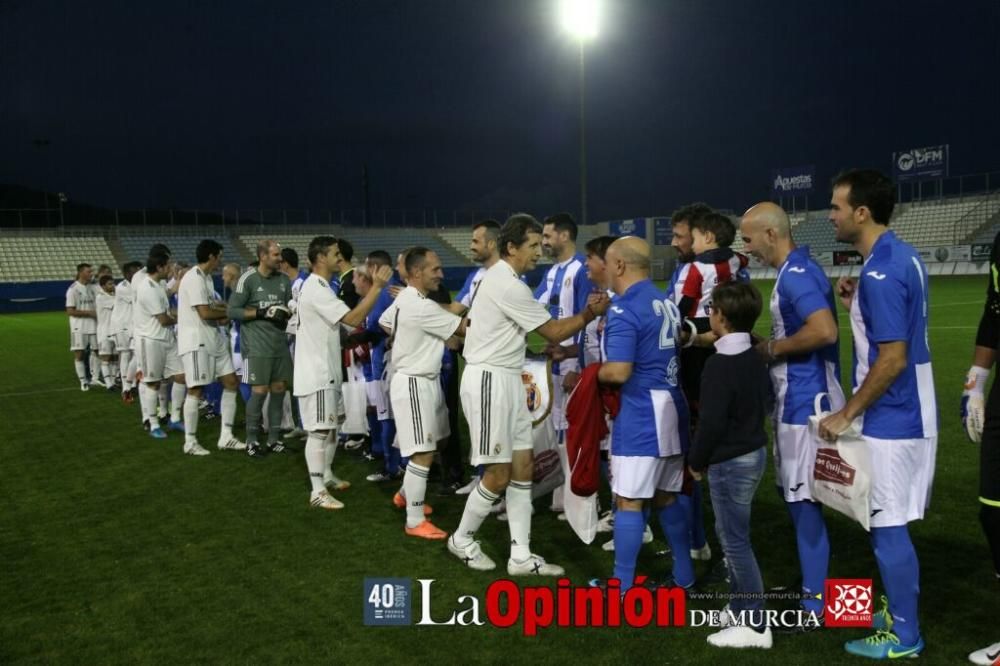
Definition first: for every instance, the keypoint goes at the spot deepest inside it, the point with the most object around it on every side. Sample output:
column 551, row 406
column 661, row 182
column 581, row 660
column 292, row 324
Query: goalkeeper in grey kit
column 260, row 303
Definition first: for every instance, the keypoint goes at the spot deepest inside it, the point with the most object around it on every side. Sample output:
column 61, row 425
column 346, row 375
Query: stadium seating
column 931, row 223
column 39, row 258
column 182, row 244
column 366, row 240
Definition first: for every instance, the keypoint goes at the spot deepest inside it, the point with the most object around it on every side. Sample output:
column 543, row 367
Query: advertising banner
column 797, row 180
column 917, row 163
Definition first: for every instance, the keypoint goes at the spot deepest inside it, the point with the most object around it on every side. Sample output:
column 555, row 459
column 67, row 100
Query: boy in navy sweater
column 729, row 444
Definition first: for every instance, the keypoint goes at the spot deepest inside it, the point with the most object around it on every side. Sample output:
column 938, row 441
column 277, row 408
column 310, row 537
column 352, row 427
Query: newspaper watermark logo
column 387, row 601
column 848, row 602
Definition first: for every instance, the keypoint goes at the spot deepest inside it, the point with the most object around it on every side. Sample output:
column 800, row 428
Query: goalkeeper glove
column 276, row 314
column 973, row 407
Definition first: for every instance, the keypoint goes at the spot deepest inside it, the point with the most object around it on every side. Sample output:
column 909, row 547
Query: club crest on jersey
column 531, row 389
column 672, row 369
column 568, row 282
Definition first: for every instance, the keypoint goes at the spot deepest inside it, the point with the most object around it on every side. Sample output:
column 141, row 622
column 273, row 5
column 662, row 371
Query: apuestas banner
column 847, row 258
column 916, row 163
column 797, row 180
column 941, row 254
column 981, row 252
column 663, row 232
column 634, row 227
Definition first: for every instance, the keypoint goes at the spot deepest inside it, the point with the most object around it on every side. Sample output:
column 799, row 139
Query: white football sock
column 177, row 393
column 316, row 459
column 95, row 366
column 123, row 361
column 106, row 371
column 163, row 398
column 190, row 419
column 415, row 489
column 81, row 371
column 228, row 415
column 133, row 368
column 519, row 519
column 477, row 507
column 329, row 451
column 151, row 411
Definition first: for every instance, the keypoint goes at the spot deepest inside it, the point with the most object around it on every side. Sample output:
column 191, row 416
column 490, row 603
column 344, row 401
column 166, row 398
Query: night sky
column 473, row 103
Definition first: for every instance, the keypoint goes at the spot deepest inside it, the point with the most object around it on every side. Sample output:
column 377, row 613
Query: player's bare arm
column 891, row 361
column 380, row 278
column 819, row 331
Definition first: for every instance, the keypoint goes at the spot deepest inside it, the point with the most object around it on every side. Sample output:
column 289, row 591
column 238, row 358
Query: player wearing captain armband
column 260, row 304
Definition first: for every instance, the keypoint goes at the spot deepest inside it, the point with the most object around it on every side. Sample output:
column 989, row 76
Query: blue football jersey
column 890, row 305
column 642, row 329
column 801, row 290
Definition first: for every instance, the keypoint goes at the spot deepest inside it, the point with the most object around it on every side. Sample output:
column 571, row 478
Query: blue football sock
column 629, row 526
column 900, row 571
column 693, row 504
column 375, row 432
column 391, row 453
column 674, row 521
column 814, row 550
column 245, row 392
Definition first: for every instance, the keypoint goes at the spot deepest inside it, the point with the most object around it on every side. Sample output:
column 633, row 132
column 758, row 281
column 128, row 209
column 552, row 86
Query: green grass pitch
column 116, row 548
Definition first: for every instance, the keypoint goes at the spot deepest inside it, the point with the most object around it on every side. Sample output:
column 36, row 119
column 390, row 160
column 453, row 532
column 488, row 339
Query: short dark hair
column 415, row 258
column 719, row 225
column 207, row 249
column 515, row 230
column 379, row 258
column 80, row 267
column 739, row 302
column 317, row 246
column 160, row 248
column 290, row 257
column 563, row 222
column 346, row 249
column 129, row 269
column 105, row 279
column 871, row 189
column 103, row 267
column 600, row 245
column 689, row 212
column 156, row 260
column 492, row 228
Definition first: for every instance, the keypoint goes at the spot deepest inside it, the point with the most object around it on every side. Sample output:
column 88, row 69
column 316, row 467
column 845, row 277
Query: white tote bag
column 842, row 476
column 356, row 408
column 581, row 512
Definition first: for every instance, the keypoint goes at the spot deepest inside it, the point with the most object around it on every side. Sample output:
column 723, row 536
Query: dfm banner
column 633, row 227
column 917, row 163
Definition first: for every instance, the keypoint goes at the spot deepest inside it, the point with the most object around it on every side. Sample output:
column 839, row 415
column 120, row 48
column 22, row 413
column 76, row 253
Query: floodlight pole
column 583, row 139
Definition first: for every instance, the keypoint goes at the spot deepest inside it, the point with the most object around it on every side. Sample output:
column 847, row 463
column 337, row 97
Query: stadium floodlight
column 580, row 17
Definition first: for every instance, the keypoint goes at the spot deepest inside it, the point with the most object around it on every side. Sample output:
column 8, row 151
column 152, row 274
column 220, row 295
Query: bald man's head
column 766, row 233
column 769, row 216
column 627, row 261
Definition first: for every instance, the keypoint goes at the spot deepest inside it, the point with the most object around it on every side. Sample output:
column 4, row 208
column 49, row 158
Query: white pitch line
column 26, row 393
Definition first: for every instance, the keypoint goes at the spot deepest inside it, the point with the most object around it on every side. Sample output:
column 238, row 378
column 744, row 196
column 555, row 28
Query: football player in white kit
column 318, row 368
column 502, row 313
column 157, row 344
column 105, row 301
column 419, row 329
column 121, row 326
column 82, row 310
column 204, row 353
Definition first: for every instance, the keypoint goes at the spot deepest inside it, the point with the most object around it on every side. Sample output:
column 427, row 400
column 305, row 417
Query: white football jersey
column 293, row 305
column 317, row 341
column 105, row 311
column 82, row 297
column 502, row 314
column 136, row 279
column 196, row 289
column 421, row 327
column 121, row 318
column 150, row 301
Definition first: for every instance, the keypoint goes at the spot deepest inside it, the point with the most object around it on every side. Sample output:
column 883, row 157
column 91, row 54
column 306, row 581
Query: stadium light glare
column 580, row 17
